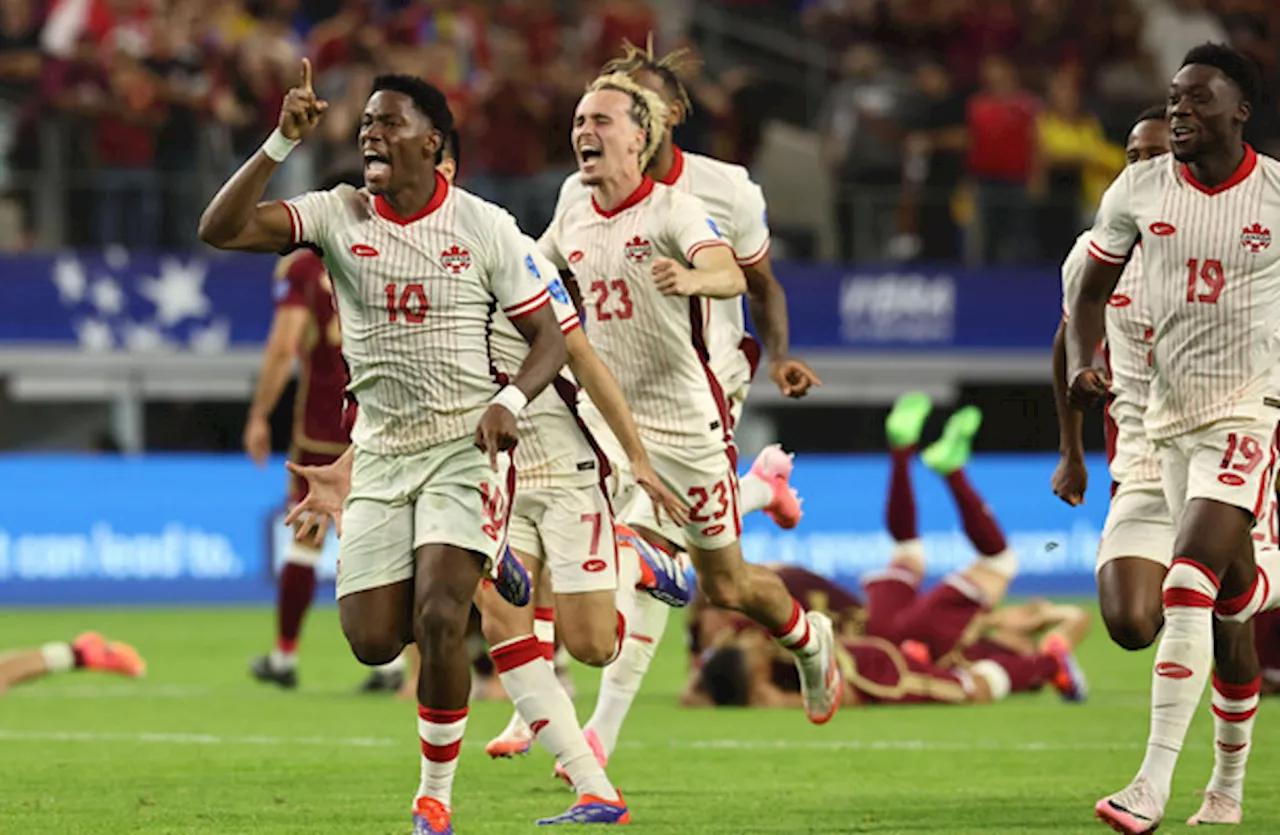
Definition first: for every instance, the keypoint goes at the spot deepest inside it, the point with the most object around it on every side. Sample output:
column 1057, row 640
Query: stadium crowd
column 939, row 118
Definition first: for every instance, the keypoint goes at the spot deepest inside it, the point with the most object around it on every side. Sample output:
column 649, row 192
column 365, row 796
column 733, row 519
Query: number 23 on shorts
column 710, row 506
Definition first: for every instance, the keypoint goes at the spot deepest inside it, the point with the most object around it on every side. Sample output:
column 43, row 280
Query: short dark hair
column 451, row 149
column 1240, row 69
column 428, row 98
column 724, row 677
column 1154, row 113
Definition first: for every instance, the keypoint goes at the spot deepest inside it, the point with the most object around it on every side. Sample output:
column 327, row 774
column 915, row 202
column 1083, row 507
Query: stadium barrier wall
column 186, row 529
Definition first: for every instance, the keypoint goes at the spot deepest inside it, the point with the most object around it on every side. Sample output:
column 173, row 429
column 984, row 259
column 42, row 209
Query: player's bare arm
column 497, row 430
column 1086, row 325
column 287, row 327
column 236, row 218
column 768, row 305
column 603, row 389
column 714, row 274
column 1070, row 477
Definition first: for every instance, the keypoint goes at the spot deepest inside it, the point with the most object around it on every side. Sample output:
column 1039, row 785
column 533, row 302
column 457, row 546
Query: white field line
column 110, row 691
column 7, row 735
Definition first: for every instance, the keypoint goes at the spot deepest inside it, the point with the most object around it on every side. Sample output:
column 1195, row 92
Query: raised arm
column 236, row 218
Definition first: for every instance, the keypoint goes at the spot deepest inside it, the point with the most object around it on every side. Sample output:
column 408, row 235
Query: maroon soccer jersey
column 818, row 594
column 318, row 427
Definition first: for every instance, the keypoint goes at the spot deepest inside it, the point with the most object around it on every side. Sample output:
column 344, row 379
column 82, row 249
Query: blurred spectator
column 1072, row 147
column 935, row 164
column 1174, row 26
column 20, row 68
column 1002, row 158
column 130, row 113
column 861, row 146
column 610, row 22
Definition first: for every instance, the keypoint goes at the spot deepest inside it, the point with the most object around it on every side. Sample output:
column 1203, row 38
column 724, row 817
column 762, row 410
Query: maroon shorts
column 882, row 674
column 297, row 485
column 940, row 619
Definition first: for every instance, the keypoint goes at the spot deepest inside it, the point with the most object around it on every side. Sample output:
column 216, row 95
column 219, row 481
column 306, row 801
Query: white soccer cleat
column 516, row 739
column 1134, row 810
column 1217, row 808
column 820, row 681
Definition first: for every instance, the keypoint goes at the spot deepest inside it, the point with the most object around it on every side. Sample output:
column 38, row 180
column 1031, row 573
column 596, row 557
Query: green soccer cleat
column 906, row 421
column 951, row 452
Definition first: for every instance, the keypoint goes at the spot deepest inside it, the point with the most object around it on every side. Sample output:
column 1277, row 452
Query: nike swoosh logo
column 1120, row 808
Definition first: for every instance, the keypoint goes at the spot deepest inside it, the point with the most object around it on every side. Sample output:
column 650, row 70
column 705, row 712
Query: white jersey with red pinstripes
column 1213, row 270
column 1131, row 455
column 554, row 448
column 737, row 206
column 654, row 344
column 416, row 299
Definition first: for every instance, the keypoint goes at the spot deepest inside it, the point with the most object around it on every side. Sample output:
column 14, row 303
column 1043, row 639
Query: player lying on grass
column 90, row 651
column 950, row 645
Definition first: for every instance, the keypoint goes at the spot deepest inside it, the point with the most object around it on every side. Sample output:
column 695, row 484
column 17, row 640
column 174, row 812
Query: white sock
column 621, row 680
column 441, row 734
column 544, row 629
column 58, row 657
column 396, row 665
column 794, row 634
column 540, row 699
column 996, row 677
column 1184, row 657
column 754, row 493
column 281, row 660
column 1004, row 563
column 1234, row 706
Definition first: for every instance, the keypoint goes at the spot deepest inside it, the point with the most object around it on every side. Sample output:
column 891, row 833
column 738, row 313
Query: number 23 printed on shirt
column 613, row 300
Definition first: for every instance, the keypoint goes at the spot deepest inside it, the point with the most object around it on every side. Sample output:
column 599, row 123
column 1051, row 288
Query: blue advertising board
column 179, row 529
column 115, row 301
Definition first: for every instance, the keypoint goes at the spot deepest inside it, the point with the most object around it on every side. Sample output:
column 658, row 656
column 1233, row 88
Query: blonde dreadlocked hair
column 647, row 110
column 669, row 67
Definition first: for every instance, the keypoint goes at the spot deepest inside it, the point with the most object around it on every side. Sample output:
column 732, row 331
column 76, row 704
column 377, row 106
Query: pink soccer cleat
column 597, row 748
column 97, row 653
column 1217, row 808
column 773, row 466
column 1069, row 681
column 1134, row 810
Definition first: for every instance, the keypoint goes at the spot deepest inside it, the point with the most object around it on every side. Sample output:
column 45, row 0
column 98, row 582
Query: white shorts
column 445, row 495
column 1229, row 461
column 571, row 530
column 1138, row 525
column 708, row 482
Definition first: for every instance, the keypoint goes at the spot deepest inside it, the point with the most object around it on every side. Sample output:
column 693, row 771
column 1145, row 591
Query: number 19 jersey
column 1212, row 271
column 655, row 345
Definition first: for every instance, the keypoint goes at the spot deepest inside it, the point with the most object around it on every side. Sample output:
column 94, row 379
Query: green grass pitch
column 197, row 747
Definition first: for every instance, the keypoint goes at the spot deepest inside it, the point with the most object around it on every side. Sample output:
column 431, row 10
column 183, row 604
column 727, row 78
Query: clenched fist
column 301, row 110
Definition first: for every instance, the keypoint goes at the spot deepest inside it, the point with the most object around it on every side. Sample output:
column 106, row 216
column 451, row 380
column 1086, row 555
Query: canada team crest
column 638, row 249
column 1254, row 238
column 456, row 259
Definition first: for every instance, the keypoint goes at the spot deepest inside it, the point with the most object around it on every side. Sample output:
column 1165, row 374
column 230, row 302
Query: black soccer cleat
column 262, row 669
column 382, row 681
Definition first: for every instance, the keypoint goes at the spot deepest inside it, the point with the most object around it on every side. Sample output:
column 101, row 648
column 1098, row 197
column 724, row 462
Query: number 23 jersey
column 655, row 345
column 1212, row 274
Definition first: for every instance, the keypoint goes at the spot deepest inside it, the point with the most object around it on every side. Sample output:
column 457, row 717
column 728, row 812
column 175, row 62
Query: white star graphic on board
column 211, row 340
column 68, row 277
column 94, row 335
column 107, row 296
column 116, row 256
column 144, row 338
column 178, row 292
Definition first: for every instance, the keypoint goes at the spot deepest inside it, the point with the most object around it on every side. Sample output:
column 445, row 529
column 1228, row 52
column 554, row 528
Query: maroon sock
column 983, row 529
column 1027, row 673
column 297, row 587
column 900, row 513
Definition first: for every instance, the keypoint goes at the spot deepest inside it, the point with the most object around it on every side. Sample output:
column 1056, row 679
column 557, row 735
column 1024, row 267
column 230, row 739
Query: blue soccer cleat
column 431, row 817
column 661, row 574
column 512, row 579
column 592, row 809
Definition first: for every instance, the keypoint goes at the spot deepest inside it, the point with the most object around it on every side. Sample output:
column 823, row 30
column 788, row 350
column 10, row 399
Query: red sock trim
column 644, row 639
column 516, row 654
column 1186, row 597
column 547, row 649
column 796, row 614
column 1236, row 605
column 287, row 644
column 1213, row 578
column 1237, row 691
column 544, row 613
column 441, row 753
column 1234, row 717
column 437, row 716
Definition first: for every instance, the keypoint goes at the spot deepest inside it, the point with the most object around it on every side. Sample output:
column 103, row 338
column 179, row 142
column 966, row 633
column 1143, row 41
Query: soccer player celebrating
column 90, row 651
column 418, row 269
column 1205, row 218
column 648, row 261
column 304, row 328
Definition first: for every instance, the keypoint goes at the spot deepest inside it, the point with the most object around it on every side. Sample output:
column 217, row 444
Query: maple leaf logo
column 456, row 259
column 638, row 249
column 1254, row 238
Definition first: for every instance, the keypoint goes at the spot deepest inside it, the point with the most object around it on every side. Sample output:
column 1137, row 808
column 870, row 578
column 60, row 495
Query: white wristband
column 510, row 398
column 278, row 146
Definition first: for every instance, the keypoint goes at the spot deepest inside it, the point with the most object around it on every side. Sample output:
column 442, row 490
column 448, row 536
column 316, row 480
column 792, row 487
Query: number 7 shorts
column 1231, row 461
column 570, row 528
column 708, row 483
